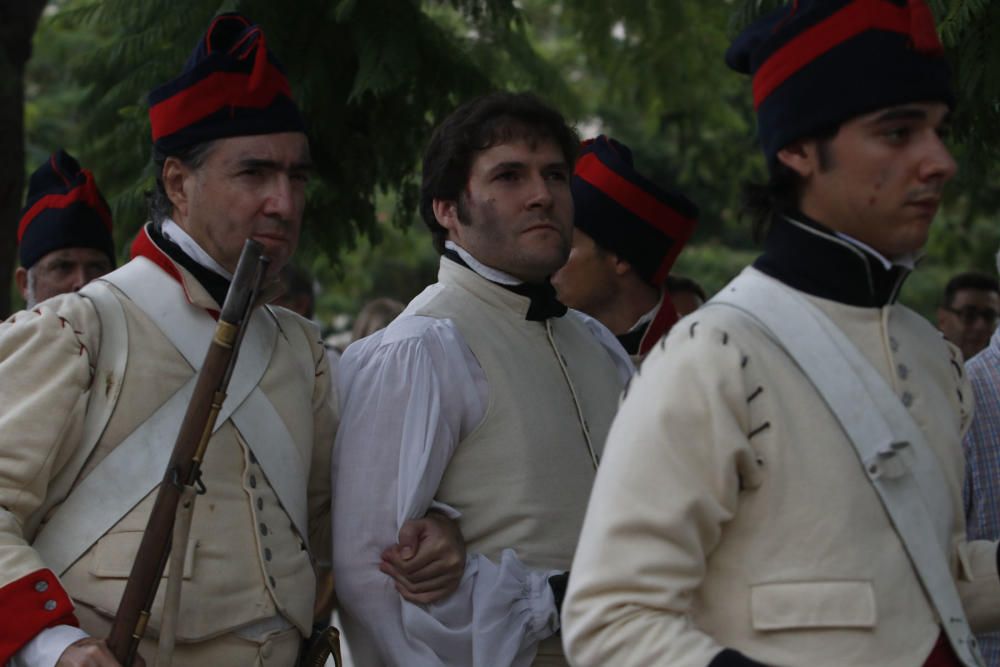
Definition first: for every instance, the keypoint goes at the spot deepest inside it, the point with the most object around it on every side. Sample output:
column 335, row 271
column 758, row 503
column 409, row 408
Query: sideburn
column 825, row 155
column 462, row 210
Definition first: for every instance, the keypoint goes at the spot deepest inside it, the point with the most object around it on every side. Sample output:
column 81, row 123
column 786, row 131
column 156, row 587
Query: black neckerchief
column 808, row 257
column 544, row 303
column 217, row 286
column 633, row 339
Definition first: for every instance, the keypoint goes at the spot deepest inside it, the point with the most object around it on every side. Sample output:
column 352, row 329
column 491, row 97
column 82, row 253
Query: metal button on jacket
column 42, row 586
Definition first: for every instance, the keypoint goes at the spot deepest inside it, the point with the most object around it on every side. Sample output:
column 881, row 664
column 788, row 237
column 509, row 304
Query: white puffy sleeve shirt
column 409, row 395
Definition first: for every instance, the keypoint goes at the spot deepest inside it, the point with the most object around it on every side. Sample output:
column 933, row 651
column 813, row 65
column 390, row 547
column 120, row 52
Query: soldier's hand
column 428, row 562
column 92, row 652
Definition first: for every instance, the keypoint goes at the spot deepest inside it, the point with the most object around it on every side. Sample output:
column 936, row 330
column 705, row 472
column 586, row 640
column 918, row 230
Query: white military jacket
column 247, row 563
column 731, row 522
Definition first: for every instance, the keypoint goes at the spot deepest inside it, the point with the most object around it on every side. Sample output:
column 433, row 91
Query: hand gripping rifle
column 184, row 468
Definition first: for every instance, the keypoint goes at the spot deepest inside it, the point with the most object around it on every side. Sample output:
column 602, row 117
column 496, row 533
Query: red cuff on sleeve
column 28, row 606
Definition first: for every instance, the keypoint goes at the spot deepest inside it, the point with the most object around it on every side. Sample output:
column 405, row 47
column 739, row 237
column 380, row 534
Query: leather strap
column 190, row 329
column 135, row 467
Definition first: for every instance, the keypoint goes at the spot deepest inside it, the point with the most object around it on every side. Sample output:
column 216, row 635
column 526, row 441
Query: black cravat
column 544, row 303
column 216, row 285
column 633, row 339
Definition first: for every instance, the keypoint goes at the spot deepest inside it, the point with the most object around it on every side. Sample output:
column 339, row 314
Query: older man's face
column 61, row 271
column 247, row 187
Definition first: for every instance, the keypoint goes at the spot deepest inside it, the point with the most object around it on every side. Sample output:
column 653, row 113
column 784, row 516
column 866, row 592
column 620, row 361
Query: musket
column 184, row 467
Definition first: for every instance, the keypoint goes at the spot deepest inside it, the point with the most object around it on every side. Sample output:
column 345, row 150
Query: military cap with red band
column 232, row 85
column 628, row 214
column 818, row 63
column 64, row 209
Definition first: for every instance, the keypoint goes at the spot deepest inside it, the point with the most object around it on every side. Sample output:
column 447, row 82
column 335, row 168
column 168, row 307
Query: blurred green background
column 374, row 77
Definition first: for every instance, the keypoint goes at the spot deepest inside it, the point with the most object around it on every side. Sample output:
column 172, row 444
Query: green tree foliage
column 652, row 76
column 375, row 76
column 372, row 78
column 53, row 96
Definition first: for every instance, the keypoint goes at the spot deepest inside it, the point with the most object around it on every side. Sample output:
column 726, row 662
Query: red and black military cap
column 818, row 63
column 64, row 209
column 232, row 85
column 626, row 213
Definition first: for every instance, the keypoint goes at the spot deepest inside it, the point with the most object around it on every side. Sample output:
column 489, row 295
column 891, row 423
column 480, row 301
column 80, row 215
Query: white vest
column 522, row 478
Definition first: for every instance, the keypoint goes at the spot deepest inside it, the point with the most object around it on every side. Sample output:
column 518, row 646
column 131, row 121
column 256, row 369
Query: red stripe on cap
column 214, row 92
column 634, row 199
column 215, row 22
column 55, row 168
column 857, row 17
column 85, row 193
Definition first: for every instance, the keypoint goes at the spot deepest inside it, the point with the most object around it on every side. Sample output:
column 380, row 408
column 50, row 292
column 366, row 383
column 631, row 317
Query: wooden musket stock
column 189, row 449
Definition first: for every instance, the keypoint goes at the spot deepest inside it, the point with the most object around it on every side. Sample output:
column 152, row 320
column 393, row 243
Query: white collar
column 491, row 274
column 172, row 231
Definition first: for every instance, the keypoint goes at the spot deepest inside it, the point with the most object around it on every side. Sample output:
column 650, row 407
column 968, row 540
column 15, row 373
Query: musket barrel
column 184, row 465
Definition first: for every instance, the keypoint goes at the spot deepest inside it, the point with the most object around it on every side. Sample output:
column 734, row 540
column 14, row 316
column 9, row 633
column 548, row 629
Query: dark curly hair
column 475, row 126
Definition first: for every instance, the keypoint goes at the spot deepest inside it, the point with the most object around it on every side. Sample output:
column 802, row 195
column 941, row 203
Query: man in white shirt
column 485, row 399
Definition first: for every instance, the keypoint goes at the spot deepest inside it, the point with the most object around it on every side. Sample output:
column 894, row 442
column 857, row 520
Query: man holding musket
column 783, row 483
column 94, row 387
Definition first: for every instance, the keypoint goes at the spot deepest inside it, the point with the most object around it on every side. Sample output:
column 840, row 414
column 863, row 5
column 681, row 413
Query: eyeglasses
column 969, row 315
